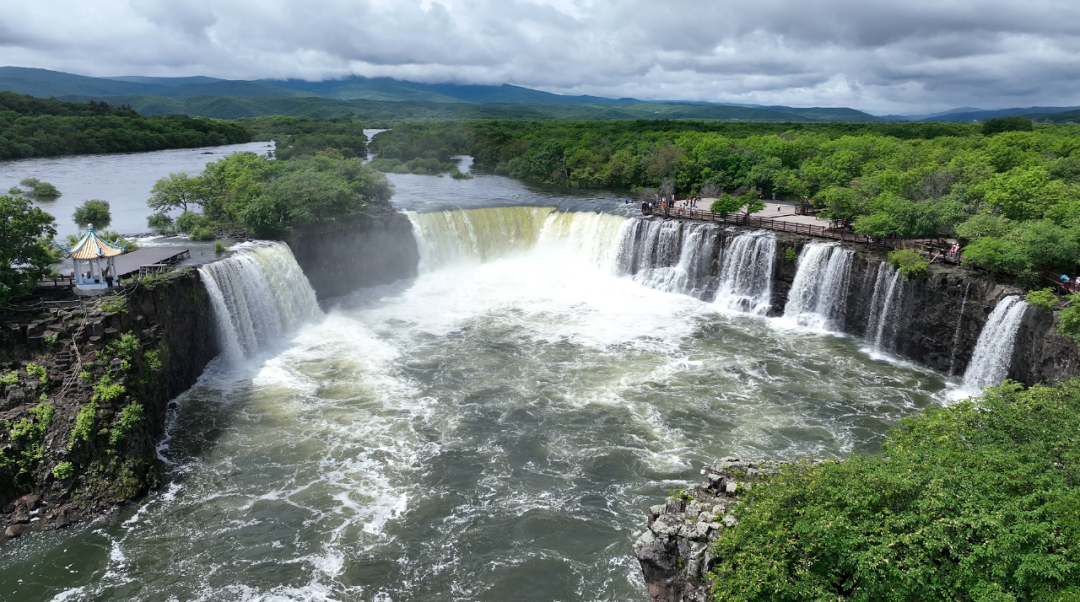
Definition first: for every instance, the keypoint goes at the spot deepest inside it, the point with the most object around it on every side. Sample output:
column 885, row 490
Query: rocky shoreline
column 675, row 550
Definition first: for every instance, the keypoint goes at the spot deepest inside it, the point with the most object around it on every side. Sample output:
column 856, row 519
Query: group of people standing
column 669, row 203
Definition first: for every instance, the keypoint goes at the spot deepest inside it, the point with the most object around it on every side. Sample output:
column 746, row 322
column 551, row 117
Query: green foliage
column 219, row 247
column 1016, row 123
column 45, row 190
column 884, row 180
column 266, row 198
column 24, row 256
column 303, row 136
column 1070, row 318
column 1044, row 298
column 126, row 423
column 998, row 255
column 177, row 191
column 159, row 221
column 33, row 369
column 39, row 127
column 84, row 375
column 152, row 360
column 115, row 303
column 84, row 424
column 52, row 339
column 730, row 204
column 28, row 436
column 106, row 390
column 11, row 377
column 63, row 470
column 457, row 174
column 94, row 212
column 909, row 263
column 124, row 348
column 789, row 254
column 976, row 501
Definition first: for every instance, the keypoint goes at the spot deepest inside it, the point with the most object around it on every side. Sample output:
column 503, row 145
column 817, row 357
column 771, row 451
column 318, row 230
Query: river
column 494, row 429
column 124, row 180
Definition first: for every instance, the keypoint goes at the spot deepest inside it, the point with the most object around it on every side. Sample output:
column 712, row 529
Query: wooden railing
column 771, row 223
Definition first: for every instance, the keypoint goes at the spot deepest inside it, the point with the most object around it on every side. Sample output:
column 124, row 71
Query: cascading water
column 883, row 324
column 476, row 235
column 819, row 293
column 258, row 295
column 669, row 255
column 746, row 273
column 993, row 353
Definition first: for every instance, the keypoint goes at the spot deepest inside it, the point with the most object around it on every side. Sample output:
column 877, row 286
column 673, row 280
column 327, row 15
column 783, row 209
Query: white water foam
column 746, row 273
column 992, row 358
column 258, row 295
column 818, row 295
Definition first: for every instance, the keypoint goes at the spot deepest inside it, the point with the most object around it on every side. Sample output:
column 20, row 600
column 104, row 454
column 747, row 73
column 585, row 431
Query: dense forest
column 1011, row 196
column 298, row 136
column 38, row 127
column 976, row 501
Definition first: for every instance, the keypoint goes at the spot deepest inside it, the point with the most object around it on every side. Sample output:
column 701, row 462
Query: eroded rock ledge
column 675, row 550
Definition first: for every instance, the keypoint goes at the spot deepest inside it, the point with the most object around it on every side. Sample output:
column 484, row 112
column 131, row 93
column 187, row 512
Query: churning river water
column 494, row 429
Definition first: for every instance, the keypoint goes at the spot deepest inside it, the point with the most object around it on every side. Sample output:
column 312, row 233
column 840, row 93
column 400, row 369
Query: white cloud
column 896, row 56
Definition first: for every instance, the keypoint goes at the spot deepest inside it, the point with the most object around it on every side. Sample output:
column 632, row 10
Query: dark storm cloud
column 884, row 56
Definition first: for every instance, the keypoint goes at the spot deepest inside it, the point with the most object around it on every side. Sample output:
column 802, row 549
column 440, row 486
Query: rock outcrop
column 341, row 257
column 86, row 392
column 674, row 551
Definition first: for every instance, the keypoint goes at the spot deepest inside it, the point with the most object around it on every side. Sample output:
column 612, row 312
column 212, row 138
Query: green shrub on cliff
column 909, row 263
column 84, row 424
column 976, row 501
column 1044, row 298
column 126, row 423
column 28, row 437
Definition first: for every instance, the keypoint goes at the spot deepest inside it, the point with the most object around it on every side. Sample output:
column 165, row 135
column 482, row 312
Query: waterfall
column 746, row 273
column 258, row 294
column 956, row 333
column 993, row 353
column 669, row 255
column 883, row 323
column 819, row 294
column 476, row 235
column 591, row 236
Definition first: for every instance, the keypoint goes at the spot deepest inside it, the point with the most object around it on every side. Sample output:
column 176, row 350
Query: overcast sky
column 882, row 56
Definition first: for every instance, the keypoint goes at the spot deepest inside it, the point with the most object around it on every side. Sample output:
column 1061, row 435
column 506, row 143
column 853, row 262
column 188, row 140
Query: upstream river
column 492, row 430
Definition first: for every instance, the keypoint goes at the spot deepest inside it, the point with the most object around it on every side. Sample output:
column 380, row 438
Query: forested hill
column 38, row 127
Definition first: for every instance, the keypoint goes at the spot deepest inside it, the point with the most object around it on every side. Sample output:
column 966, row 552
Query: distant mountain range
column 379, row 98
column 386, row 98
column 974, row 114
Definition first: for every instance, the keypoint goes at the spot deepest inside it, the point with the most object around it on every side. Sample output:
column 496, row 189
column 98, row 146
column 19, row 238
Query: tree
column 94, row 211
column 24, row 254
column 177, row 191
column 1016, row 123
column 997, row 255
column 726, row 204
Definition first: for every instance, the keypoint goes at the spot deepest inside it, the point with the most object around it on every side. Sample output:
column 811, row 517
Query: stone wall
column 344, row 256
